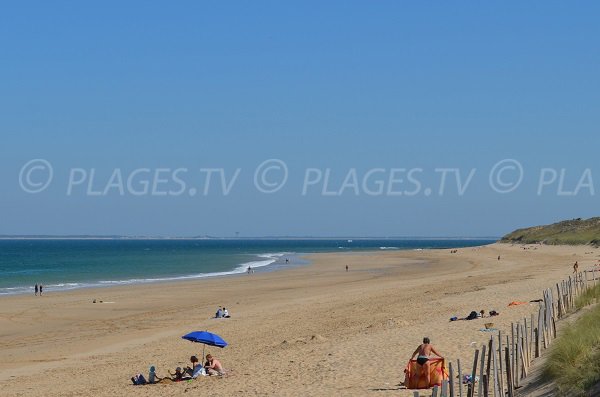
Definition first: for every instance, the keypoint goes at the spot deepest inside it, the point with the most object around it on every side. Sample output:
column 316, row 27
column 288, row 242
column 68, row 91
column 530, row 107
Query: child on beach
column 178, row 375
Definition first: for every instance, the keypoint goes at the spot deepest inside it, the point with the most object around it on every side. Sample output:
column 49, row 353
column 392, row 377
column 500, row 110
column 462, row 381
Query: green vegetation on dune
column 588, row 297
column 573, row 232
column 574, row 360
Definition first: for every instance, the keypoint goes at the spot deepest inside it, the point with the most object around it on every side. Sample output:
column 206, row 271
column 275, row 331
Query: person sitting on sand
column 179, row 375
column 213, row 366
column 152, row 376
column 423, row 352
column 225, row 313
column 219, row 313
column 196, row 370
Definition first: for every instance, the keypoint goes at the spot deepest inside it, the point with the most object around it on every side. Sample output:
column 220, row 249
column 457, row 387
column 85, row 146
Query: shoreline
column 275, row 257
column 293, row 332
column 102, row 284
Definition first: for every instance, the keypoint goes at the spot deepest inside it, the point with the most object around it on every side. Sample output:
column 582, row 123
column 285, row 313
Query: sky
column 307, row 118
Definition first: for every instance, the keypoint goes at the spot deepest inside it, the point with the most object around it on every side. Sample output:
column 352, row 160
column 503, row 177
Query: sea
column 65, row 264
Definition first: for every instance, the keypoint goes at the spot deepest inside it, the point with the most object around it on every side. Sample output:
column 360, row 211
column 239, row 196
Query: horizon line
column 207, row 237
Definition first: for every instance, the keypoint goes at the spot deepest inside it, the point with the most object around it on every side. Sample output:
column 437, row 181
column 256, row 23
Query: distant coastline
column 282, row 238
column 570, row 232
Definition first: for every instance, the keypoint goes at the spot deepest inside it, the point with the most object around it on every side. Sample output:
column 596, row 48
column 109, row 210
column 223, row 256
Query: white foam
column 268, row 259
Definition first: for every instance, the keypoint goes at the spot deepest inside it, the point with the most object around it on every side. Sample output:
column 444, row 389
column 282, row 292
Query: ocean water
column 69, row 264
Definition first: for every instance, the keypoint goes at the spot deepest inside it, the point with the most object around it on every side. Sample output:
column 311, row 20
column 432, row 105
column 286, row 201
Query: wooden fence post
column 459, row 379
column 531, row 347
column 509, row 380
column 481, row 369
column 517, row 354
column 471, row 389
column 485, row 386
column 489, row 358
column 451, row 375
column 445, row 388
column 500, row 366
column 497, row 375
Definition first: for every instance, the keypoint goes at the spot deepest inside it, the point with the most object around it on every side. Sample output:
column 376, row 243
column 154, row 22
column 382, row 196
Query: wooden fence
column 504, row 362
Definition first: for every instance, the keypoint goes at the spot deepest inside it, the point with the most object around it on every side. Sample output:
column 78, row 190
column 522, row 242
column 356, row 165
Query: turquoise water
column 68, row 264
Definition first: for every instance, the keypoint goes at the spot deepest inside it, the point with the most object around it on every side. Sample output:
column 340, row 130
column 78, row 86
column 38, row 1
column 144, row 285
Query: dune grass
column 590, row 296
column 574, row 360
column 572, row 232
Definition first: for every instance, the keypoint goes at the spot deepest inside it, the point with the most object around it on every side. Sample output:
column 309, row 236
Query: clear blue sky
column 336, row 85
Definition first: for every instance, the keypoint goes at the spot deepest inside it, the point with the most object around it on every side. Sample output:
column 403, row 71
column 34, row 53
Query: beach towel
column 198, row 371
column 516, row 303
column 438, row 373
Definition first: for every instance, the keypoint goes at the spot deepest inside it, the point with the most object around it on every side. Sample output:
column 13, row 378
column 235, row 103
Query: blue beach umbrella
column 206, row 338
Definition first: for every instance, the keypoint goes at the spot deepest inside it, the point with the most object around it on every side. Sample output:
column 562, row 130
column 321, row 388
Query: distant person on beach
column 287, row 260
column 423, row 352
column 41, row 289
column 575, row 267
column 213, row 366
column 36, row 289
column 219, row 313
column 225, row 313
column 498, row 257
column 346, row 267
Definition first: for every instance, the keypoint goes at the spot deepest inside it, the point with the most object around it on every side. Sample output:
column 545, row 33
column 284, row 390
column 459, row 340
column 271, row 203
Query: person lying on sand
column 213, row 366
column 152, row 377
column 423, row 352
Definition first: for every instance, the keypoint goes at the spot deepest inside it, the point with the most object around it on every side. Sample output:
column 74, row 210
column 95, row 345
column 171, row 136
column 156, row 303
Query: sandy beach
column 313, row 330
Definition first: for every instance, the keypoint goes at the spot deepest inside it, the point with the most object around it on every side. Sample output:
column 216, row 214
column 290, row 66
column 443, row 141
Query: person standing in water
column 36, row 289
column 41, row 289
column 423, row 353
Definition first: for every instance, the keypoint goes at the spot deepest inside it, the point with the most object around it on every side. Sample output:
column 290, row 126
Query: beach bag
column 140, row 380
column 472, row 316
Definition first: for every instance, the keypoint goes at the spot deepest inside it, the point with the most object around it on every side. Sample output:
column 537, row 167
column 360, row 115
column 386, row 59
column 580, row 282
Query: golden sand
column 315, row 330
